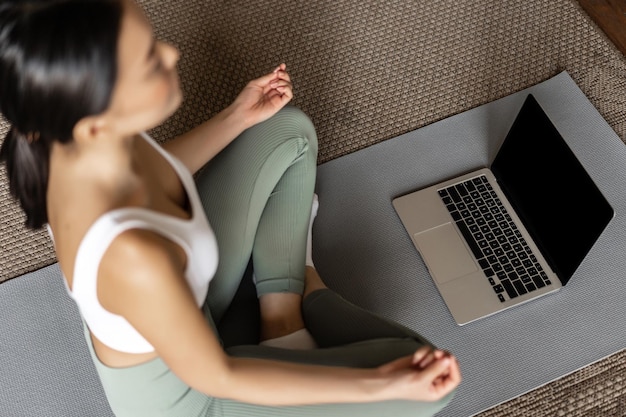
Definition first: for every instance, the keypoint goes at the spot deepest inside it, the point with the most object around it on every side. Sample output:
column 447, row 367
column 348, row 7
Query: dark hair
column 58, row 64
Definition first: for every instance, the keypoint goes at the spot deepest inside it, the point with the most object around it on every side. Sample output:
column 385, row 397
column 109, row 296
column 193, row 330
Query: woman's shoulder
column 79, row 201
column 73, row 212
column 138, row 261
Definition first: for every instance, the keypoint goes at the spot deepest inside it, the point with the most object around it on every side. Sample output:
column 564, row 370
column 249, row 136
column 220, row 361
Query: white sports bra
column 195, row 236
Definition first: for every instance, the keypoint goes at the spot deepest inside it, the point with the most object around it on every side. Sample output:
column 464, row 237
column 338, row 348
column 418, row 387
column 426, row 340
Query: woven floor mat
column 363, row 72
column 369, row 71
column 598, row 390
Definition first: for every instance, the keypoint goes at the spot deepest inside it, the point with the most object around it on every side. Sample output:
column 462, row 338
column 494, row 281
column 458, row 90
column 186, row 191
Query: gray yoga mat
column 363, row 252
column 45, row 367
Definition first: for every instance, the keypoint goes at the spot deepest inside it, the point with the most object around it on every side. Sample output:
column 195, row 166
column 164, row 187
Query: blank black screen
column 550, row 190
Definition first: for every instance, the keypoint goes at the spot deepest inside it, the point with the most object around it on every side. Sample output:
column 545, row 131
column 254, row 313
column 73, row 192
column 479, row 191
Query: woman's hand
column 258, row 101
column 262, row 98
column 427, row 375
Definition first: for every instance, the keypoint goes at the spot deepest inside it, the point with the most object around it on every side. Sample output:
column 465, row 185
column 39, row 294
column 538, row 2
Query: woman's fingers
column 426, row 355
column 281, row 67
column 444, row 374
column 420, row 354
column 283, row 75
column 280, row 83
column 278, row 74
column 282, row 92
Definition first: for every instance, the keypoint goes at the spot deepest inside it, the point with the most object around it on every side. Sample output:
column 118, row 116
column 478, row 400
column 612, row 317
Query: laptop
column 502, row 236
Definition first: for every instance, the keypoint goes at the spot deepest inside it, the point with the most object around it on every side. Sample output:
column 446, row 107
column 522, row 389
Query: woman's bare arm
column 198, row 146
column 144, row 283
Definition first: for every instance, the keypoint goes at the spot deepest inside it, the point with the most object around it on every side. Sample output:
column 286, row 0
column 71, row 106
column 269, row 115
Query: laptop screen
column 550, row 190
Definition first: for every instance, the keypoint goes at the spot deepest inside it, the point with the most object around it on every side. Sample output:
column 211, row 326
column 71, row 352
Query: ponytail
column 27, row 160
column 58, row 64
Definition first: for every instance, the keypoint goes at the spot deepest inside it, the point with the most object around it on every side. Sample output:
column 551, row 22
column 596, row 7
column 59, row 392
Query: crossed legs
column 258, row 196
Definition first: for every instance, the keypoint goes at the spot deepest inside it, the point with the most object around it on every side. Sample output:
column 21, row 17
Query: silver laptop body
column 479, row 278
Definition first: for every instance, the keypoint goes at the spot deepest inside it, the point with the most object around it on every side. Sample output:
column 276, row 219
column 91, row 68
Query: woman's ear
column 90, row 128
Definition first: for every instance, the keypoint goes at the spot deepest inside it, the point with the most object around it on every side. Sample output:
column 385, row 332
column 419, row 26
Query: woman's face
column 147, row 89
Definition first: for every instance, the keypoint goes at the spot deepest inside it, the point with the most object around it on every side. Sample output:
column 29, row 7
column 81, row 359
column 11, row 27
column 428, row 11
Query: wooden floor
column 610, row 15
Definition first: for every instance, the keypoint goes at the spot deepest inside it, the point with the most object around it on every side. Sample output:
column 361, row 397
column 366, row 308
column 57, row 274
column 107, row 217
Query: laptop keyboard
column 497, row 244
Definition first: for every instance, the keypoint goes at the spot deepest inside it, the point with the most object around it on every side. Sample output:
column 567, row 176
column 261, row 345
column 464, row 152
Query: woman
column 138, row 241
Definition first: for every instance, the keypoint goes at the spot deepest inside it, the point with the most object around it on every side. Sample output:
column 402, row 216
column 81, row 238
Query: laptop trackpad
column 445, row 253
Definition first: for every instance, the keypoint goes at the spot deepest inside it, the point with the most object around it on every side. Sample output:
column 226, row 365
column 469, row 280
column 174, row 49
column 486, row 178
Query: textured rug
column 369, row 71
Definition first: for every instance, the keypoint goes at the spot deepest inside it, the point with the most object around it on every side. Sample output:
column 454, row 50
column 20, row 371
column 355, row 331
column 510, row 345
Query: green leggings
column 258, row 194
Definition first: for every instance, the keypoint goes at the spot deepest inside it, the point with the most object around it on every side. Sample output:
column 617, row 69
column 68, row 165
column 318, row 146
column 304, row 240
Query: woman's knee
column 295, row 124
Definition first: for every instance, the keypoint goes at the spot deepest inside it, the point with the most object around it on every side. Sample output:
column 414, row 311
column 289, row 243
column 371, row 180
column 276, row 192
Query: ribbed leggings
column 257, row 194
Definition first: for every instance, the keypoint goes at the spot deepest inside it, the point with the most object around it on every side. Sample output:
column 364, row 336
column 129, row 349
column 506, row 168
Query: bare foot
column 281, row 314
column 312, row 281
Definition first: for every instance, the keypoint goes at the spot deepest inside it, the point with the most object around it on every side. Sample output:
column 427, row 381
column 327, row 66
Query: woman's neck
column 109, row 163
